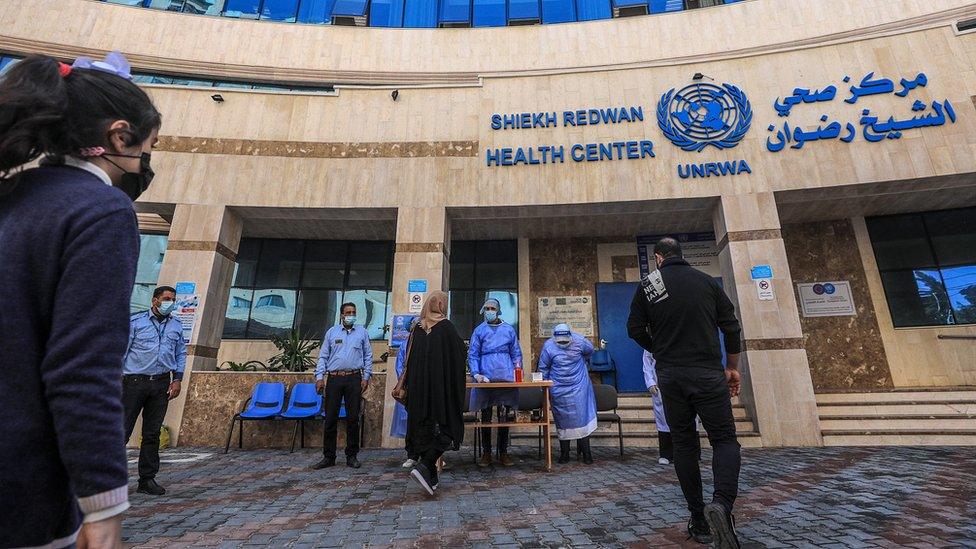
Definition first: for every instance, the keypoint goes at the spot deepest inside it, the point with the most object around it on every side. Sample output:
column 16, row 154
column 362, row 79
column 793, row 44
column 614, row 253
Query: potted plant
column 295, row 352
column 250, row 365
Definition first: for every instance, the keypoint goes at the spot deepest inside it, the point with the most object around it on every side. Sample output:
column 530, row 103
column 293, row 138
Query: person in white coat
column 664, row 444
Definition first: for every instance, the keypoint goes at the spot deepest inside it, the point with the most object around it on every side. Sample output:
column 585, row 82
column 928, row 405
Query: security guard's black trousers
column 690, row 391
column 337, row 389
column 146, row 395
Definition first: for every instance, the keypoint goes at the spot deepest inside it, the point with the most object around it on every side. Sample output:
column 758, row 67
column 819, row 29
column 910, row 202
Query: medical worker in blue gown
column 563, row 361
column 398, row 429
column 493, row 355
column 664, row 444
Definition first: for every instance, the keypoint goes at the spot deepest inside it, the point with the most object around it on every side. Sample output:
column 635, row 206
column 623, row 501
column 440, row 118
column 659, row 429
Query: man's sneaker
column 409, row 463
column 723, row 526
column 505, row 460
column 485, row 460
column 698, row 529
column 423, row 478
column 663, row 461
column 325, row 462
column 150, row 487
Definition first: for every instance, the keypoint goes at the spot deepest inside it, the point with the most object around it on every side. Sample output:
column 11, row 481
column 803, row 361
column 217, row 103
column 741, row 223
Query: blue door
column 612, row 309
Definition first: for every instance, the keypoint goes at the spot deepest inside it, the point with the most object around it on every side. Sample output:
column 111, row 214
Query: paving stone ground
column 811, row 497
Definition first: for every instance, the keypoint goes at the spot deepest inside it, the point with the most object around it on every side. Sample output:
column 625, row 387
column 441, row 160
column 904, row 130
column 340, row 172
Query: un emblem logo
column 703, row 114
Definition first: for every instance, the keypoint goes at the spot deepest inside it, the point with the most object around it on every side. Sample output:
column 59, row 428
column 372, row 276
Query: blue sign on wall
column 762, row 271
column 419, row 285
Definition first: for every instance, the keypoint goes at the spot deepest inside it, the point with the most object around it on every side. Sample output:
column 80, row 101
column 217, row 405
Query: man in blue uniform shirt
column 151, row 374
column 344, row 368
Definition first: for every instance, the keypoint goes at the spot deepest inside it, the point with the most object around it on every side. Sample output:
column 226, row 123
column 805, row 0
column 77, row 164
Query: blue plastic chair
column 265, row 403
column 601, row 362
column 304, row 403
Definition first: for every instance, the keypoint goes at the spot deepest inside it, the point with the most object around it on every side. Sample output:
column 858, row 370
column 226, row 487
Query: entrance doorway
column 613, row 307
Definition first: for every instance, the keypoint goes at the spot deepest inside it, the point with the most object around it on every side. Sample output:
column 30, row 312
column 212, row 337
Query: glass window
column 371, row 310
column 497, row 265
column 482, row 269
column 152, row 249
column 488, row 13
column 281, row 264
column 355, row 8
column 952, row 233
column 461, row 311
column 928, row 266
column 455, row 11
column 325, row 264
column 247, row 9
column 317, row 311
column 368, row 264
column 315, row 11
column 272, row 312
column 594, row 9
column 960, row 285
column 521, row 10
column 280, row 285
column 420, row 14
column 280, row 10
column 900, row 242
column 558, row 11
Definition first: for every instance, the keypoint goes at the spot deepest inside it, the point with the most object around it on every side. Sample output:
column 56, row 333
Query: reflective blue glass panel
column 386, row 13
column 960, row 285
column 280, row 10
column 558, row 11
column 354, row 8
column 627, row 3
column 588, row 10
column 455, row 11
column 315, row 11
column 420, row 13
column 661, row 6
column 519, row 10
column 488, row 13
column 247, row 9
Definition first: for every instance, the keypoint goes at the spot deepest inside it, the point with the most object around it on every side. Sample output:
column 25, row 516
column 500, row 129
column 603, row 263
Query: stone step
column 899, row 437
column 647, row 412
column 640, row 439
column 643, row 424
column 915, row 395
column 897, row 410
column 916, row 423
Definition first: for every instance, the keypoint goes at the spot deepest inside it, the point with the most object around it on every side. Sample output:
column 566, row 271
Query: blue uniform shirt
column 155, row 347
column 344, row 349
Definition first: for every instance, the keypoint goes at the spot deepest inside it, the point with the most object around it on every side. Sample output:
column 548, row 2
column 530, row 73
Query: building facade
column 820, row 158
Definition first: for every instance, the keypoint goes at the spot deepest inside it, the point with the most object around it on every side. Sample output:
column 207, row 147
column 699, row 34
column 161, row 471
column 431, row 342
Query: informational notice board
column 826, row 299
column 574, row 310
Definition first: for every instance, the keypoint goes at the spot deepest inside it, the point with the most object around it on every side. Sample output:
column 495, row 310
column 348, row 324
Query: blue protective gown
column 650, row 379
column 398, row 428
column 573, row 402
column 493, row 353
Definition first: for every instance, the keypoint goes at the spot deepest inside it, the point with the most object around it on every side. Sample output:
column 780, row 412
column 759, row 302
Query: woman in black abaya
column 433, row 384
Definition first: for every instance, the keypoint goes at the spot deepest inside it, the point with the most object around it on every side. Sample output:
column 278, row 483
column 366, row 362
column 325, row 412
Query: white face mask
column 166, row 307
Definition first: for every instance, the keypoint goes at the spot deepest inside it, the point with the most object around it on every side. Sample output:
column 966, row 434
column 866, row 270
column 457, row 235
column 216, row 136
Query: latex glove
column 653, row 390
column 480, row 378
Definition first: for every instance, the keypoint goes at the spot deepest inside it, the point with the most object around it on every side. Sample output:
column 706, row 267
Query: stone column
column 525, row 306
column 202, row 248
column 776, row 388
column 422, row 249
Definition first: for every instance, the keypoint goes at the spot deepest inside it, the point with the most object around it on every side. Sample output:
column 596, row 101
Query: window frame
column 480, row 292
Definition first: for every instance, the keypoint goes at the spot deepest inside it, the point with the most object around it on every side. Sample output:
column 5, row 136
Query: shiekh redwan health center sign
column 703, row 116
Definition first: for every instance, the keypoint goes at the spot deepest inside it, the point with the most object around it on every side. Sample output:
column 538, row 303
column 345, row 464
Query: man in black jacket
column 676, row 314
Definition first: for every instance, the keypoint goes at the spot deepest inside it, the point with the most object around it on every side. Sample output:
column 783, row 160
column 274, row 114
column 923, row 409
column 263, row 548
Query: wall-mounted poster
column 826, row 299
column 575, row 310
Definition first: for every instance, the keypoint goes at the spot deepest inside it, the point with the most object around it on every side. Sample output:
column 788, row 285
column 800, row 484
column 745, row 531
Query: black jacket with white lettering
column 676, row 314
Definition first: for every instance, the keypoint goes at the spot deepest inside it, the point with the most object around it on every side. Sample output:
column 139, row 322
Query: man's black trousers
column 147, row 395
column 346, row 388
column 690, row 391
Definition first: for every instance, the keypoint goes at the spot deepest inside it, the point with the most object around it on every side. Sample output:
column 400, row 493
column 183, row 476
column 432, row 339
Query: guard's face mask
column 133, row 184
column 166, row 307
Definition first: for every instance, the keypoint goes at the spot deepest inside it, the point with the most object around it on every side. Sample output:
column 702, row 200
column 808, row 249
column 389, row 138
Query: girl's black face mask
column 131, row 183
